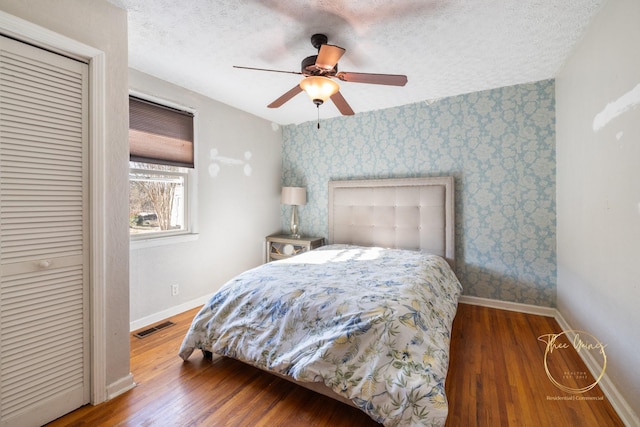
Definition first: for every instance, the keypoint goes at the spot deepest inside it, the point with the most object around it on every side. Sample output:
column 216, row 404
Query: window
column 157, row 198
column 161, row 162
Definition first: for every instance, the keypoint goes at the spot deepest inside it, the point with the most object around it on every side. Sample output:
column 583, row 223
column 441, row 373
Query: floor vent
column 149, row 331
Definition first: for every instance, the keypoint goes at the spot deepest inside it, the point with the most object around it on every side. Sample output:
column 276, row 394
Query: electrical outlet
column 175, row 289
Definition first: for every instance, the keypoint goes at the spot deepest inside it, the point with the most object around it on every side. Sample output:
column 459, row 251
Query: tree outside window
column 156, row 198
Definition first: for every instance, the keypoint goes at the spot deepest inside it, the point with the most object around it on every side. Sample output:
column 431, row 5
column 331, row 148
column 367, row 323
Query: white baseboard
column 511, row 306
column 164, row 314
column 121, row 386
column 619, row 403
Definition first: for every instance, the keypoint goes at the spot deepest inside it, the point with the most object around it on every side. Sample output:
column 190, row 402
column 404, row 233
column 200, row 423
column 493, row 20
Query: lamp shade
column 293, row 196
column 319, row 88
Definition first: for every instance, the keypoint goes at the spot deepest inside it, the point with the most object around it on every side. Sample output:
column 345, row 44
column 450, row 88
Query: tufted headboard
column 406, row 213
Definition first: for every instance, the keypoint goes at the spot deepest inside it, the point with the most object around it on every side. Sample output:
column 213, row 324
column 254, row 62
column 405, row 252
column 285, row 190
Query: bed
column 365, row 319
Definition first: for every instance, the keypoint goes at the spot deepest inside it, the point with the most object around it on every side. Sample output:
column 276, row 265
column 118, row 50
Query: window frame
column 190, row 231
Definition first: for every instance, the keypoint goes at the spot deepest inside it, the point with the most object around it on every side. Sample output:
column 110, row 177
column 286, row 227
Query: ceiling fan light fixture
column 319, row 88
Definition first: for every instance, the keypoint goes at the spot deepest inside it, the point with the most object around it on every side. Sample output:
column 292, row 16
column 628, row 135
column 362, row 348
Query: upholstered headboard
column 407, row 213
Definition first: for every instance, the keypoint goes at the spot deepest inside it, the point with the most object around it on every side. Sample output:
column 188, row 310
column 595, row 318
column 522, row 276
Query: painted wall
column 500, row 147
column 238, row 163
column 103, row 26
column 598, row 191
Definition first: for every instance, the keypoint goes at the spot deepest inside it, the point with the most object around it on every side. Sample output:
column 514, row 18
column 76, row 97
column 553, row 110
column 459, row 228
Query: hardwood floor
column 496, row 378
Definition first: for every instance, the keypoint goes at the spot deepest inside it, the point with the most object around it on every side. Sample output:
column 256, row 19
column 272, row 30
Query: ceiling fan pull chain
column 318, row 108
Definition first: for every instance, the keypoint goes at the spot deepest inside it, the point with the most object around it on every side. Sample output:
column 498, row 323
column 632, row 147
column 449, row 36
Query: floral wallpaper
column 498, row 144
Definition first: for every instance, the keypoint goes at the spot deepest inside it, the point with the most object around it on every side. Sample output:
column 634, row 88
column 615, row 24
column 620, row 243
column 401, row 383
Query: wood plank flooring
column 496, row 378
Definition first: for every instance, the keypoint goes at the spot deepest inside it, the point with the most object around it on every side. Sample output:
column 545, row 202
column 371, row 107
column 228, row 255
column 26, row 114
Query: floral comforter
column 372, row 324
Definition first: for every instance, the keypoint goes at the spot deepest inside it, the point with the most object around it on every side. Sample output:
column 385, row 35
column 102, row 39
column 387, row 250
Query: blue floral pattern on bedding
column 372, row 324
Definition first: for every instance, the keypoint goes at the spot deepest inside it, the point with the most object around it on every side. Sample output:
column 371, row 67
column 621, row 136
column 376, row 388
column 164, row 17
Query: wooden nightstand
column 284, row 246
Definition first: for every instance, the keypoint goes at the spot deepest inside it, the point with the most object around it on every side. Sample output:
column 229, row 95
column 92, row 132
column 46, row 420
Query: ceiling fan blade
column 342, row 104
column 287, row 96
column 376, row 79
column 328, row 56
column 267, row 69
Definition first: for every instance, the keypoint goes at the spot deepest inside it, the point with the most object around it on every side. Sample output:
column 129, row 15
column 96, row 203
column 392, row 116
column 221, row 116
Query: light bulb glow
column 319, row 88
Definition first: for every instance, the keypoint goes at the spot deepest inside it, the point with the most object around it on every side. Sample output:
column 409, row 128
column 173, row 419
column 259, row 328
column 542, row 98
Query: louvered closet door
column 43, row 226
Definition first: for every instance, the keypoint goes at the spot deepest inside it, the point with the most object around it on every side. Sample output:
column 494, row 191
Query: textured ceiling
column 445, row 47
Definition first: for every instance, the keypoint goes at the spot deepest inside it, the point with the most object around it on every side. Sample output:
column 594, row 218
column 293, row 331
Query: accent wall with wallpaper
column 500, row 147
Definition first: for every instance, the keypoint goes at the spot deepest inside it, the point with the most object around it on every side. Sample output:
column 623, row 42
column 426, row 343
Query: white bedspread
column 372, row 324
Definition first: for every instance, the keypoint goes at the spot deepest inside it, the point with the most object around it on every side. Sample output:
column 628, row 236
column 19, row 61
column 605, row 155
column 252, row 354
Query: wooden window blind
column 160, row 134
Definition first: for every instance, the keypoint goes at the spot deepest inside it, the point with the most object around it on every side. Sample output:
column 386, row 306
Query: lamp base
column 294, row 224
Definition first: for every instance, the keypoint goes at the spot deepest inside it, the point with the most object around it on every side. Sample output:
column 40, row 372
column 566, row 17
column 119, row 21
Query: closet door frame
column 36, row 35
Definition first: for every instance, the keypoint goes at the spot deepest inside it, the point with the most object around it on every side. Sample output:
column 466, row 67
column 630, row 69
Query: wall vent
column 156, row 328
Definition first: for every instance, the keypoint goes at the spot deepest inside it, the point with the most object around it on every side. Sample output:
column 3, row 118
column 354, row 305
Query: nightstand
column 282, row 246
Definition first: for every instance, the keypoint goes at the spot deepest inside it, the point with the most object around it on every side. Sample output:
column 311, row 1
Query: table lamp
column 294, row 196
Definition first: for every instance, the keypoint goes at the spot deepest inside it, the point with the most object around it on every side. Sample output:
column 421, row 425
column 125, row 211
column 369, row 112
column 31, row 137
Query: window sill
column 161, row 241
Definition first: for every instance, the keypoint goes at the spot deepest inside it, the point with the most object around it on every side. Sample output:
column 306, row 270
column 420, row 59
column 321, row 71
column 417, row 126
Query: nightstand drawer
column 284, row 246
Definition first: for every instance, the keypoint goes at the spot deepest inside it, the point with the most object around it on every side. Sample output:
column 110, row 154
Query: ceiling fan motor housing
column 308, row 67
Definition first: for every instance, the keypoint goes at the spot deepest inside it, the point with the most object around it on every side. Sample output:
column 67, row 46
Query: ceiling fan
column 319, row 70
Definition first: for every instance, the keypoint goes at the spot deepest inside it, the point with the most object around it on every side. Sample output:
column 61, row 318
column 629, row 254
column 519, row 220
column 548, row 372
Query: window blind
column 159, row 134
